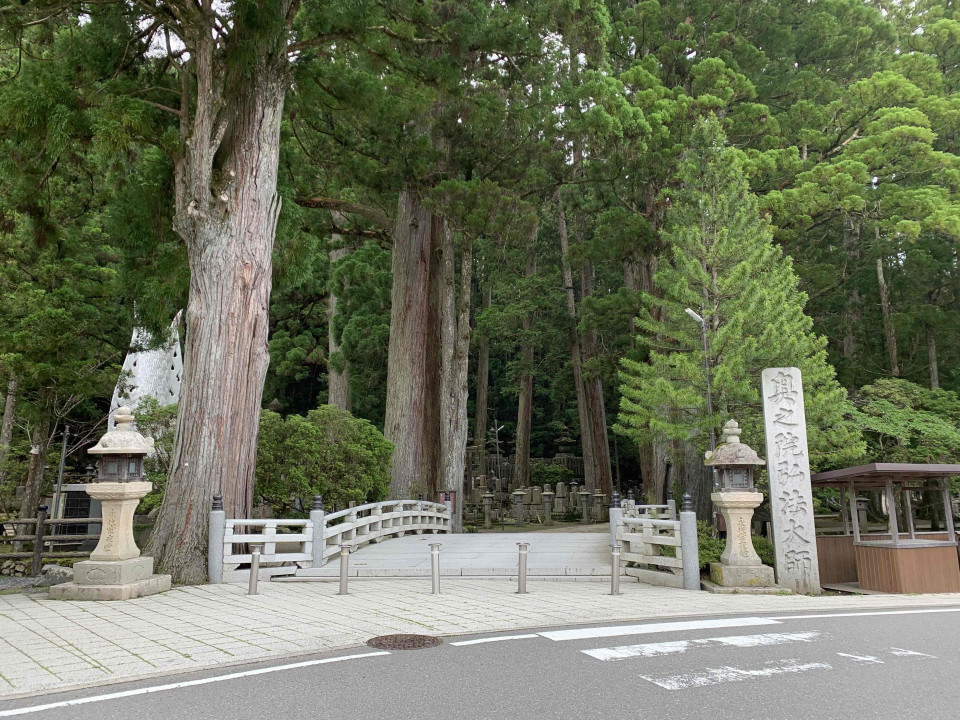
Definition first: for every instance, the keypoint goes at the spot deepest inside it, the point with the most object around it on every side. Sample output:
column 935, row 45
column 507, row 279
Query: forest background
column 459, row 219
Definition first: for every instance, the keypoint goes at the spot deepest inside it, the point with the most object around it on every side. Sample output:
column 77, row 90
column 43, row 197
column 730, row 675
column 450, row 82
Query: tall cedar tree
column 222, row 79
column 722, row 261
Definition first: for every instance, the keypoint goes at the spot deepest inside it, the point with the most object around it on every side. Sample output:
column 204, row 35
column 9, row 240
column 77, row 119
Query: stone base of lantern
column 739, row 566
column 742, row 576
column 712, row 587
column 112, row 580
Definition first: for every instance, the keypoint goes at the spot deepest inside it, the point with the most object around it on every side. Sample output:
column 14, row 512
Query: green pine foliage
column 722, row 262
column 904, row 422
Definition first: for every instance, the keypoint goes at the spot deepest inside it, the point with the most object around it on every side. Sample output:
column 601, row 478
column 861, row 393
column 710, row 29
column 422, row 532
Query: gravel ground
column 13, row 583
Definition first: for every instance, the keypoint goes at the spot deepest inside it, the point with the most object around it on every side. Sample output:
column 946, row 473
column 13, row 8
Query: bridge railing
column 661, row 512
column 643, row 541
column 657, row 546
column 375, row 522
column 289, row 544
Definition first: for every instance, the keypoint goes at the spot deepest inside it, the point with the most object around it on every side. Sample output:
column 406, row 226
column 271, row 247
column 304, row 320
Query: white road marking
column 494, row 639
column 650, row 628
column 763, row 639
column 187, row 683
column 631, row 651
column 865, row 659
column 866, row 614
column 716, row 676
column 680, row 646
column 900, row 652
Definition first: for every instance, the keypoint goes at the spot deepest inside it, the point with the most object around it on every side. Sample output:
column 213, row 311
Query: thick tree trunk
column 483, row 384
column 596, row 407
column 889, row 331
column 227, row 209
column 653, row 469
column 338, row 382
column 407, row 358
column 653, row 455
column 6, row 427
column 852, row 312
column 432, row 429
column 696, row 479
column 932, row 360
column 455, row 361
column 525, row 402
column 586, row 436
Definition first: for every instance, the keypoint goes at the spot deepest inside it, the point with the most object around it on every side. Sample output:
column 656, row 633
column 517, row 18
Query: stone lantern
column 115, row 570
column 737, row 498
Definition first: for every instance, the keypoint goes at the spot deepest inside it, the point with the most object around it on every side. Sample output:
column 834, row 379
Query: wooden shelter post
column 892, row 513
column 907, row 495
column 947, row 510
column 854, row 515
column 844, row 512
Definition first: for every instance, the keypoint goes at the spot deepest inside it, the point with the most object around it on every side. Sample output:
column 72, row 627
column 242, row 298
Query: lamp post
column 57, row 512
column 706, row 375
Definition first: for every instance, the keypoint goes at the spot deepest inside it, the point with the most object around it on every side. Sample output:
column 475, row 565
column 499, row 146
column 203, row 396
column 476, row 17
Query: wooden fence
column 45, row 532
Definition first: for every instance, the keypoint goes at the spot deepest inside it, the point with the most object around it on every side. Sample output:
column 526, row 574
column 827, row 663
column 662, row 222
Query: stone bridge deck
column 552, row 555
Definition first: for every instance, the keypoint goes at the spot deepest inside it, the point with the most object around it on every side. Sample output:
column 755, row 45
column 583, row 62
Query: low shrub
column 709, row 545
column 764, row 549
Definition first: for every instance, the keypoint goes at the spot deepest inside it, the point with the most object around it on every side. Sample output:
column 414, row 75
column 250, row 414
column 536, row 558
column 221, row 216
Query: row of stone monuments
column 544, row 503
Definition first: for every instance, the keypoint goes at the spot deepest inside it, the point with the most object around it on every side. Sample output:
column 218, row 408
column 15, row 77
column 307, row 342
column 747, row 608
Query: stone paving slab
column 48, row 645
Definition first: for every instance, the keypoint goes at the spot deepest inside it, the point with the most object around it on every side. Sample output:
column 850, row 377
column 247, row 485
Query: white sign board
column 788, row 467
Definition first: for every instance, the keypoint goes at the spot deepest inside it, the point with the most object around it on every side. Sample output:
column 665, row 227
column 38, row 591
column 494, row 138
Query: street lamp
column 706, row 374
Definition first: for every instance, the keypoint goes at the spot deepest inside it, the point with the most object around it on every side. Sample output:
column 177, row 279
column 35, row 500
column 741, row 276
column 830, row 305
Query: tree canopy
column 464, row 221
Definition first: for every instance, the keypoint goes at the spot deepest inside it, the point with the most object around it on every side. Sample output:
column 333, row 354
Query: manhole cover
column 403, row 642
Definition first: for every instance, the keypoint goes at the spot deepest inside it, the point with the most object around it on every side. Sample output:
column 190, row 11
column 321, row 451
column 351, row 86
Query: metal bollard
column 254, row 570
column 615, row 569
column 344, row 567
column 522, row 568
column 435, row 567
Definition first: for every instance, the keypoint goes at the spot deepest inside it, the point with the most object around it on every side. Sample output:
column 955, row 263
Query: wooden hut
column 901, row 559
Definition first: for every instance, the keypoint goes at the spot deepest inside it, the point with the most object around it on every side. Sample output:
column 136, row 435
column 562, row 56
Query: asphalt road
column 856, row 666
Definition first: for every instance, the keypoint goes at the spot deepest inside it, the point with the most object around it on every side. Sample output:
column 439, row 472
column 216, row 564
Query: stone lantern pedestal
column 739, row 566
column 115, row 570
column 736, row 497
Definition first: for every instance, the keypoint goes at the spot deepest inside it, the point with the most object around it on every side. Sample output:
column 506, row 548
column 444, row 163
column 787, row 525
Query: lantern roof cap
column 733, row 453
column 124, row 439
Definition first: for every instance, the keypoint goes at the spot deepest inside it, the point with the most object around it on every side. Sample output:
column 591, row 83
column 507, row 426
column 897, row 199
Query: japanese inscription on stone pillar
column 788, row 467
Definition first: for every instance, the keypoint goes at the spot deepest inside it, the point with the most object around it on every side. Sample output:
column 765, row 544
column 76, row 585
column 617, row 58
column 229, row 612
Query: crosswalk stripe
column 651, row 628
column 498, row 638
column 647, row 650
column 716, row 676
column 872, row 613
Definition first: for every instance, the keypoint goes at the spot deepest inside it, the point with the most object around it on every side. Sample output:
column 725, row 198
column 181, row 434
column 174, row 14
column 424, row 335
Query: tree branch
column 157, row 105
column 378, row 218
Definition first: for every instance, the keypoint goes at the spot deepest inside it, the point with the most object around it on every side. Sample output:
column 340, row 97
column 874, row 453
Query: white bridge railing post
column 218, row 522
column 317, row 542
column 689, row 549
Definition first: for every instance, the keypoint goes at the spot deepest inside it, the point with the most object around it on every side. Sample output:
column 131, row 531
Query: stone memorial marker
column 561, row 502
column 788, row 467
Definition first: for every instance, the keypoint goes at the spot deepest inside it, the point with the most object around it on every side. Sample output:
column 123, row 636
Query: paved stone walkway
column 53, row 645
